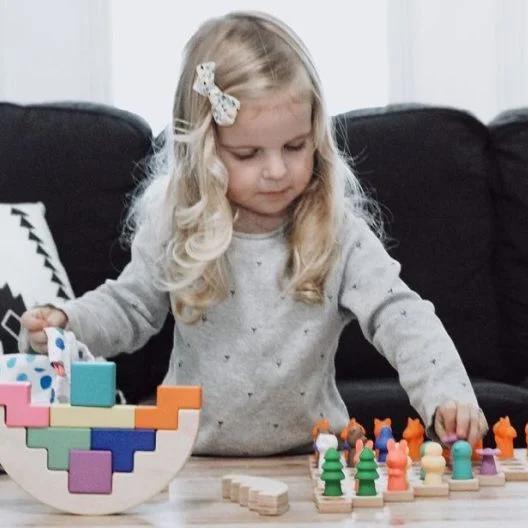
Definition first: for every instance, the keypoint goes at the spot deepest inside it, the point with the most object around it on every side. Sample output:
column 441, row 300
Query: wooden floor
column 195, row 499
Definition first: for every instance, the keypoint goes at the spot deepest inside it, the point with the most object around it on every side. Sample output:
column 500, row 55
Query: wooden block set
column 263, row 495
column 91, row 456
column 359, row 477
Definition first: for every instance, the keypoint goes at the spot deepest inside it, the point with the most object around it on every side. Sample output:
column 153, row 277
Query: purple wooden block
column 90, row 471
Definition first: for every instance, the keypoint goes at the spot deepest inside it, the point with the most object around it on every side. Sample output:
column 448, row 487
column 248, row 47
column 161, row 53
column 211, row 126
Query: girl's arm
column 122, row 314
column 401, row 325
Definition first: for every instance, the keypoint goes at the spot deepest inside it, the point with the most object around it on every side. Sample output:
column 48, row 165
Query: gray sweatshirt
column 265, row 361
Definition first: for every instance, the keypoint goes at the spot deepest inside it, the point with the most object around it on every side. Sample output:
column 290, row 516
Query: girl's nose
column 276, row 167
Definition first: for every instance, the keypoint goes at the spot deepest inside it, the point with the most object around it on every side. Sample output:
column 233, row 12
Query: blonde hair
column 256, row 55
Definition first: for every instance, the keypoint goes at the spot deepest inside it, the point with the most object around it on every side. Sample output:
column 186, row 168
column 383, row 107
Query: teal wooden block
column 93, row 383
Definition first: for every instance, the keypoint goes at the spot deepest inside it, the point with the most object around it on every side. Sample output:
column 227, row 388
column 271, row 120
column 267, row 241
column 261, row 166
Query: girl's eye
column 290, row 147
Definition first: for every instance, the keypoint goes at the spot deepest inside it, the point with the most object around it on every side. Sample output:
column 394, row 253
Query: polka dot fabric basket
column 35, row 368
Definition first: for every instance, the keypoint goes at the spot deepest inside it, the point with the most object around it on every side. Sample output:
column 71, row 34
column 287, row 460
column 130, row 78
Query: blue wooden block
column 123, row 443
column 93, row 384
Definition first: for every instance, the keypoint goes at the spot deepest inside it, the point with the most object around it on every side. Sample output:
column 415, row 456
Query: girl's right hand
column 38, row 318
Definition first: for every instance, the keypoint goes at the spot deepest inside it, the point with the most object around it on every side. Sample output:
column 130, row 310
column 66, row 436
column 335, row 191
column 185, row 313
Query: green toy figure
column 366, row 473
column 461, row 456
column 332, row 473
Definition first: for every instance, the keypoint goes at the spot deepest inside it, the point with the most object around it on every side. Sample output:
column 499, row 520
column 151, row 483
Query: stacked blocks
column 92, row 440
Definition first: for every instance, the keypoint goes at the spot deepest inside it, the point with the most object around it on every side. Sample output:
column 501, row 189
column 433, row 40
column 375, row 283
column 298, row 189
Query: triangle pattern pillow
column 31, row 272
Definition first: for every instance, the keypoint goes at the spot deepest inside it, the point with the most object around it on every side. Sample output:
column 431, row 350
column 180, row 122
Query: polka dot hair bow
column 224, row 107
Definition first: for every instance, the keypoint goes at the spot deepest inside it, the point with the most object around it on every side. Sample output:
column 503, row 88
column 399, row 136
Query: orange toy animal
column 504, row 435
column 321, row 426
column 397, row 465
column 352, row 432
column 378, row 424
column 414, row 434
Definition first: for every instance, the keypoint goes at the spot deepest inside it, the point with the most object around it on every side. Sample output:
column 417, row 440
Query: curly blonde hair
column 256, row 55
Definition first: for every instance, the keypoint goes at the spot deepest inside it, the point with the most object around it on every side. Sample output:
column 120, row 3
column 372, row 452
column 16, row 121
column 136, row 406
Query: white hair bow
column 224, row 107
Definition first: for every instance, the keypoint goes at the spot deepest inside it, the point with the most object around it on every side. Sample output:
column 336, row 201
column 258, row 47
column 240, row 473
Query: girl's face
column 268, row 153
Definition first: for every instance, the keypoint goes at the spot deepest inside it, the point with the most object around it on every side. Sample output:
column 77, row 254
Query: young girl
column 262, row 242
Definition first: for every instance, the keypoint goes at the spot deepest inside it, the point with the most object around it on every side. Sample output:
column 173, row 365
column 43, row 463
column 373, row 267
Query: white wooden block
column 399, row 496
column 66, row 415
column 463, row 485
column 423, row 490
column 492, row 480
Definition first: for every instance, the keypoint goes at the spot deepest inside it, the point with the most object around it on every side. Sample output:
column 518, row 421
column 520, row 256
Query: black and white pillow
column 30, row 269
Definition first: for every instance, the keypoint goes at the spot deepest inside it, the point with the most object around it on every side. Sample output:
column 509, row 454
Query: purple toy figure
column 488, row 466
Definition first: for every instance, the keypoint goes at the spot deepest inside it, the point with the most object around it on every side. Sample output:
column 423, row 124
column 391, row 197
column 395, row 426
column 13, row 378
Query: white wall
column 471, row 54
column 148, row 38
column 54, row 50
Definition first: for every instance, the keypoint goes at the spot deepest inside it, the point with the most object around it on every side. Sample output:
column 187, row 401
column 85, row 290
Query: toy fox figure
column 352, row 432
column 414, row 435
column 504, row 435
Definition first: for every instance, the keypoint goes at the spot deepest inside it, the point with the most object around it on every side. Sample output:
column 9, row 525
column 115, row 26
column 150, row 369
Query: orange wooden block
column 16, row 397
column 169, row 400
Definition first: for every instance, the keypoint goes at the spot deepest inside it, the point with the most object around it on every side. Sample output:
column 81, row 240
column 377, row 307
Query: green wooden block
column 58, row 441
column 93, row 383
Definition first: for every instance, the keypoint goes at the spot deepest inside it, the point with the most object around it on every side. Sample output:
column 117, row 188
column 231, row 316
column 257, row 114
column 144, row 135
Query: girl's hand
column 460, row 421
column 36, row 319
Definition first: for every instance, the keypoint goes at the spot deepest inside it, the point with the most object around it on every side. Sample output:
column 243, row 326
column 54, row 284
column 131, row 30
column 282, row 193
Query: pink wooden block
column 16, row 397
column 90, row 471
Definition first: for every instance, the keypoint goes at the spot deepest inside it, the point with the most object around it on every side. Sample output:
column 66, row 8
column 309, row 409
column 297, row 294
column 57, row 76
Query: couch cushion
column 509, row 134
column 431, row 168
column 80, row 160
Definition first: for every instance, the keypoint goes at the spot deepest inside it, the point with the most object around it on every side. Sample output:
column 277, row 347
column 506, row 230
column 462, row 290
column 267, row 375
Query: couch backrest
column 434, row 170
column 80, row 160
column 509, row 139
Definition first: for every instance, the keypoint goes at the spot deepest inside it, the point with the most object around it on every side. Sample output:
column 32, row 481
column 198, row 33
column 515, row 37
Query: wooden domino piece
column 66, row 415
column 169, row 399
column 16, row 397
column 263, row 495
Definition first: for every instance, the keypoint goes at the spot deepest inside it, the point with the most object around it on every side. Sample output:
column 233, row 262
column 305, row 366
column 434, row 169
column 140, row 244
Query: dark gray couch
column 455, row 194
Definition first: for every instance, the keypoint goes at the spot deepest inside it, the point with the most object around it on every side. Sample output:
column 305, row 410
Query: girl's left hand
column 455, row 420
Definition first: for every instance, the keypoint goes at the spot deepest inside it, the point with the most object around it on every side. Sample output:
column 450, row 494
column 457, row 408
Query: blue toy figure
column 461, row 457
column 381, row 442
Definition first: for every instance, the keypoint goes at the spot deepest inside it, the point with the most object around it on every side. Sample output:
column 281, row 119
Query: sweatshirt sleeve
column 401, row 325
column 122, row 314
